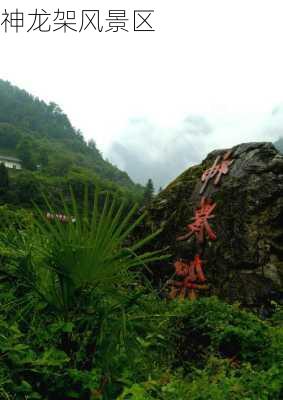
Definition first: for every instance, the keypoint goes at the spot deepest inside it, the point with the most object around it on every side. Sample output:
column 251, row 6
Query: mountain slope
column 42, row 136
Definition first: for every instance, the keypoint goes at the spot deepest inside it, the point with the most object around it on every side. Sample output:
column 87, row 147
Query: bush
column 210, row 326
column 116, row 338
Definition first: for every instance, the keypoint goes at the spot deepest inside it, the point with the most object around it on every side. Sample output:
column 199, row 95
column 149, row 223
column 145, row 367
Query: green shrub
column 118, row 338
column 209, row 325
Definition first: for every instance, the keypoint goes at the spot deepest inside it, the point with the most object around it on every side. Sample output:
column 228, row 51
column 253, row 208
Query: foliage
column 217, row 381
column 122, row 341
column 79, row 319
column 24, row 152
column 203, row 368
column 42, row 136
column 148, row 192
column 4, row 178
column 88, row 251
column 213, row 326
column 159, row 350
column 64, row 290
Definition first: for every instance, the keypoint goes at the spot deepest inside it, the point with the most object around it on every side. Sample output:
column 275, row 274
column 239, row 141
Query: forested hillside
column 52, row 151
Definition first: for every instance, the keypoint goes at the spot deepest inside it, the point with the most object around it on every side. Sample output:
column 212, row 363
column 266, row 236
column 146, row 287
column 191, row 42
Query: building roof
column 5, row 158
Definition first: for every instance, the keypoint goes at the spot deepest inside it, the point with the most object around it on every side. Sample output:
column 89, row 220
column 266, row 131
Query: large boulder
column 245, row 262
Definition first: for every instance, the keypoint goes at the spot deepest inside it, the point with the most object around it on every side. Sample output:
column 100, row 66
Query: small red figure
column 193, row 278
column 217, row 169
column 200, row 226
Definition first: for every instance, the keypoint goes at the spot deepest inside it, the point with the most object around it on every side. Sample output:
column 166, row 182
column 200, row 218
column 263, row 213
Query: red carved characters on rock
column 200, row 225
column 217, row 169
column 191, row 272
column 193, row 279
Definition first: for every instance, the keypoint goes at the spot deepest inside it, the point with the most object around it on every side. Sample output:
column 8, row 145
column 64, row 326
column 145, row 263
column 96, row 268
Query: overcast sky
column 210, row 76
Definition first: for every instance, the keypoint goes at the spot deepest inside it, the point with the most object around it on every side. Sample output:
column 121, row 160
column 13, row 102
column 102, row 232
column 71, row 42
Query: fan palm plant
column 90, row 249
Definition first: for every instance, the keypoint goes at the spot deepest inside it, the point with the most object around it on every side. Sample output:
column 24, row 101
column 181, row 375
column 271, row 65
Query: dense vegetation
column 53, row 153
column 79, row 320
column 79, row 317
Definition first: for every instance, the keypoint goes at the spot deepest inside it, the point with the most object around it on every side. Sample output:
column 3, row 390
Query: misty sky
column 210, row 76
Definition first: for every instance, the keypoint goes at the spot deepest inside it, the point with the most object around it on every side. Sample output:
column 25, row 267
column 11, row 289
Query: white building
column 11, row 162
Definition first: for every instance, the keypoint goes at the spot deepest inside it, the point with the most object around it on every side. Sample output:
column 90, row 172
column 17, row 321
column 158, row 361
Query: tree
column 148, row 192
column 24, row 150
column 95, row 152
column 91, row 251
column 61, row 165
column 9, row 136
column 4, row 177
column 43, row 157
column 40, row 134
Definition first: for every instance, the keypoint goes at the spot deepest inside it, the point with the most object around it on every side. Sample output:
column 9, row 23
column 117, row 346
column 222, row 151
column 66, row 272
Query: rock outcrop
column 245, row 262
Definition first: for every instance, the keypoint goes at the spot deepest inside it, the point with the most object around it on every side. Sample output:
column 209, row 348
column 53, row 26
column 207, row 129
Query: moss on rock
column 245, row 263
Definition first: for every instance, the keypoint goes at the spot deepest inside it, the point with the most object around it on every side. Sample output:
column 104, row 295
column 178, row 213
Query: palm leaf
column 92, row 250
